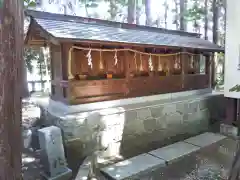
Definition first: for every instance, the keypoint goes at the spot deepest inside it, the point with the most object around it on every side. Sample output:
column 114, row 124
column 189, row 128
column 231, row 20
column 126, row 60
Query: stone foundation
column 137, row 124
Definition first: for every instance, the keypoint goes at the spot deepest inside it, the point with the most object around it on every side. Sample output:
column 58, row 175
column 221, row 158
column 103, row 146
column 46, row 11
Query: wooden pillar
column 127, row 67
column 183, row 66
column 208, row 69
column 211, row 70
column 65, row 59
column 127, row 64
column 56, row 70
column 66, row 47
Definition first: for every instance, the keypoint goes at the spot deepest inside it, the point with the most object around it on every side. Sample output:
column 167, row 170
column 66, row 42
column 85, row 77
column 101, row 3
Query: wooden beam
column 66, row 47
column 96, row 42
column 183, row 66
column 81, row 41
column 35, row 27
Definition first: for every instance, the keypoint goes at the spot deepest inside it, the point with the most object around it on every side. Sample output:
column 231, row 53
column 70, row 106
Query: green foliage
column 235, row 88
column 195, row 13
column 29, row 3
column 31, row 55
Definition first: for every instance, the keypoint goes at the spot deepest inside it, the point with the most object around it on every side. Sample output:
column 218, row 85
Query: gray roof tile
column 79, row 30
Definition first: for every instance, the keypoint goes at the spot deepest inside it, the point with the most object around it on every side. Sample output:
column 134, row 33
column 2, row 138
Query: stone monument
column 52, row 154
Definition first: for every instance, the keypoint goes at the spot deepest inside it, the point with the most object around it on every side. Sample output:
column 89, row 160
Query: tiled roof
column 74, row 28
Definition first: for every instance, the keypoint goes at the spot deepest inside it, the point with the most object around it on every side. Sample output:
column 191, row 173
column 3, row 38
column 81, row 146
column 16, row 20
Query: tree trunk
column 215, row 34
column 11, row 60
column 176, row 14
column 138, row 12
column 182, row 12
column 215, row 21
column 113, row 10
column 131, row 11
column 86, row 10
column 165, row 13
column 158, row 21
column 206, row 20
column 148, row 12
column 25, row 90
column 225, row 20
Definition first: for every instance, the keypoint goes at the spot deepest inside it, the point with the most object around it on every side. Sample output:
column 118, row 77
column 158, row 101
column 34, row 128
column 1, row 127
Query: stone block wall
column 135, row 128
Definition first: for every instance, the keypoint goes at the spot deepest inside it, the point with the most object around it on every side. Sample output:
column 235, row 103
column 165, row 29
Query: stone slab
column 60, row 109
column 133, row 167
column 174, row 151
column 229, row 130
column 84, row 169
column 63, row 176
column 205, row 139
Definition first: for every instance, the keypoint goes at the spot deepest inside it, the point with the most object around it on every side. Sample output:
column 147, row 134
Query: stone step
column 145, row 163
column 133, row 167
column 205, row 139
column 174, row 151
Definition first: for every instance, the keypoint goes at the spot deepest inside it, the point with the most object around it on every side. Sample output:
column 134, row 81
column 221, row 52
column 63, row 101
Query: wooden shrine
column 96, row 60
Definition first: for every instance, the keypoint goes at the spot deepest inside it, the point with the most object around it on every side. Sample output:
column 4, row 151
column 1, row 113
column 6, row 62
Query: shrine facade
column 97, row 60
column 140, row 84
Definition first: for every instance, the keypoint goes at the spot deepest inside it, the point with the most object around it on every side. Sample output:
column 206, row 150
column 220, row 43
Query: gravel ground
column 210, row 163
column 30, row 159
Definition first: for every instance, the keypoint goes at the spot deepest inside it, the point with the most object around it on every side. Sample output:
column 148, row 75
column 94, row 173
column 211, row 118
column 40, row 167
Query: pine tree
column 195, row 14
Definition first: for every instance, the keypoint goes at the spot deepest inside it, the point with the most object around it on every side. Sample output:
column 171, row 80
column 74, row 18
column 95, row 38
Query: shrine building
column 149, row 83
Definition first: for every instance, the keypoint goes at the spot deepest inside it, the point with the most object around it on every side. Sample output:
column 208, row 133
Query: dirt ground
column 30, row 159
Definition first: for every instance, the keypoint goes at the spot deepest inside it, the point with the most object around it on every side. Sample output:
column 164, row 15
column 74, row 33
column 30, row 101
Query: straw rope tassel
column 70, row 75
column 101, row 63
column 192, row 61
column 135, row 60
column 159, row 64
column 115, row 58
column 150, row 63
column 89, row 56
column 141, row 65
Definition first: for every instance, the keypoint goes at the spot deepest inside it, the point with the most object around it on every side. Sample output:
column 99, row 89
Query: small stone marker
column 53, row 158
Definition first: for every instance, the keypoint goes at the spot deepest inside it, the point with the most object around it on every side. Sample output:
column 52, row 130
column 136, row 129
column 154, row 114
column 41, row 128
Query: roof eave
column 45, row 34
column 78, row 40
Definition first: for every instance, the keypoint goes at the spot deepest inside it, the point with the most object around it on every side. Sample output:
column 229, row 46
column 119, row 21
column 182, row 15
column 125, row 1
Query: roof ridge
column 78, row 19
